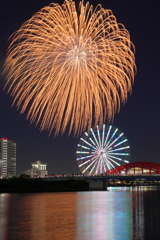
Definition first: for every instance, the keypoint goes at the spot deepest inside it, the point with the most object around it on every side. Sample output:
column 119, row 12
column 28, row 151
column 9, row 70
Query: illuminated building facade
column 38, row 168
column 7, row 158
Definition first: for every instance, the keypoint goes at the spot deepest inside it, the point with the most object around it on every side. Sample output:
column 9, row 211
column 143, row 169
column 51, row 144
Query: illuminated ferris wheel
column 101, row 149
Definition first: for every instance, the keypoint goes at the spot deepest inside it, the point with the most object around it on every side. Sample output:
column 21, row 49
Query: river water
column 120, row 213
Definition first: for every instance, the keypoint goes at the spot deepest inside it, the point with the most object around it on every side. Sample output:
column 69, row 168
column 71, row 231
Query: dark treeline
column 25, row 184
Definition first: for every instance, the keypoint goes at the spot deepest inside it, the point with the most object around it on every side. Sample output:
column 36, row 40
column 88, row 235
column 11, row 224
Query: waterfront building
column 7, row 158
column 38, row 168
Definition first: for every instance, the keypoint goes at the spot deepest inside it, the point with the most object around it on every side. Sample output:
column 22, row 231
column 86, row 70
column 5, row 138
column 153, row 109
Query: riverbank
column 13, row 185
column 29, row 185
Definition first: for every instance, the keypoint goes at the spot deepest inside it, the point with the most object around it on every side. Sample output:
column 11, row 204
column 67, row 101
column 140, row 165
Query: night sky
column 139, row 118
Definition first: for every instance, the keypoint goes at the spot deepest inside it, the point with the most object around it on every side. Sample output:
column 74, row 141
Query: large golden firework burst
column 70, row 68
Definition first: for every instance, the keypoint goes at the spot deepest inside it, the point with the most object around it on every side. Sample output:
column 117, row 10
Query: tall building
column 38, row 168
column 7, row 158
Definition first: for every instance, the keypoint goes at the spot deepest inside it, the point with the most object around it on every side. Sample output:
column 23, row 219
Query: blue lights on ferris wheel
column 102, row 149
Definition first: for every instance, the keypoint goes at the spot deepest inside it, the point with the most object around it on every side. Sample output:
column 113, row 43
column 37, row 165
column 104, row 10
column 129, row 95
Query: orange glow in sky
column 69, row 67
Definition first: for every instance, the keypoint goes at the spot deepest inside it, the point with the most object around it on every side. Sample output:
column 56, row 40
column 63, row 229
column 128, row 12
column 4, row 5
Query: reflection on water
column 39, row 216
column 4, row 214
column 134, row 188
column 118, row 214
column 138, row 214
column 104, row 215
column 119, row 189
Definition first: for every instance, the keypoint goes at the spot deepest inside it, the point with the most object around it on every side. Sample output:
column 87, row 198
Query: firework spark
column 70, row 68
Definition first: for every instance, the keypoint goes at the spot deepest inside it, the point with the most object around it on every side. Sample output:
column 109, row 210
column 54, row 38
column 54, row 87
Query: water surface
column 117, row 214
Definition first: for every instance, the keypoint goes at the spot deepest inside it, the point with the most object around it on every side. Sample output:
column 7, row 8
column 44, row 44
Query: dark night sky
column 139, row 118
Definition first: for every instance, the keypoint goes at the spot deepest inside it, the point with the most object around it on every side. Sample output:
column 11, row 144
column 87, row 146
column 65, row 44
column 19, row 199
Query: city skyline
column 139, row 118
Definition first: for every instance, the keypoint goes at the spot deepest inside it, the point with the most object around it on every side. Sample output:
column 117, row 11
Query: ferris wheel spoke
column 114, row 161
column 99, row 136
column 109, row 163
column 88, row 143
column 122, row 154
column 83, row 146
column 86, row 134
column 86, row 162
column 80, row 152
column 92, row 141
column 115, row 140
column 103, row 132
column 116, row 158
column 88, row 166
column 125, row 140
column 103, row 169
column 118, row 149
column 110, row 127
column 112, row 154
column 119, row 159
column 84, row 157
column 94, row 137
column 93, row 167
column 90, row 138
column 104, row 164
column 98, row 165
column 93, row 158
column 110, row 140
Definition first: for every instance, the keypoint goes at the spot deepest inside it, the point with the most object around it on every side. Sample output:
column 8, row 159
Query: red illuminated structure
column 136, row 168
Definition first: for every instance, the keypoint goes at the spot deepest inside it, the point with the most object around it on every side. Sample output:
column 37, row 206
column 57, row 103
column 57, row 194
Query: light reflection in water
column 118, row 214
column 44, row 216
column 118, row 189
column 104, row 215
column 4, row 212
column 138, row 214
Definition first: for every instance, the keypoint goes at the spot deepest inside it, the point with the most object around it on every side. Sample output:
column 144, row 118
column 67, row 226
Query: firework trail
column 70, row 68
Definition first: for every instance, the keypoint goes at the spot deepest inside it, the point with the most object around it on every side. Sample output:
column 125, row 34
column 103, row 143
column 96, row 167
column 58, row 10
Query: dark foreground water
column 118, row 214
